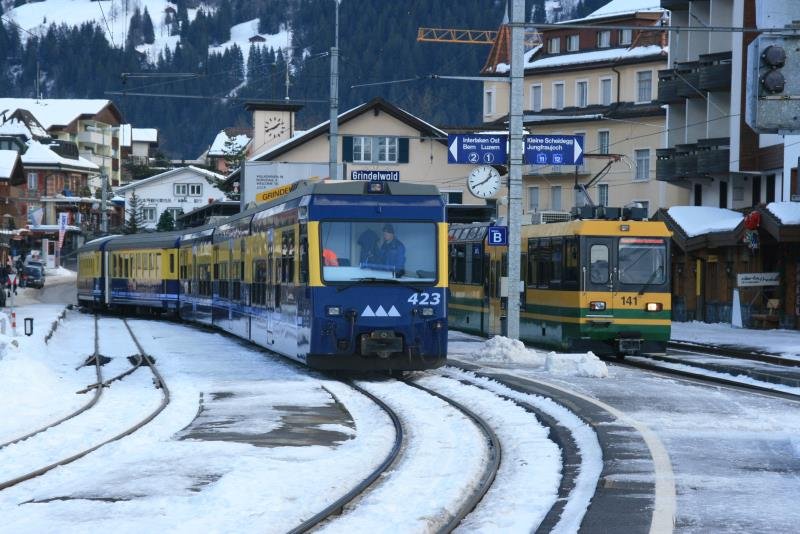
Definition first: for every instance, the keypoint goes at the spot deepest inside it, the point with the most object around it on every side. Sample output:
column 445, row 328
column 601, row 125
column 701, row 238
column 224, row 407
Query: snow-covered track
column 490, row 469
column 729, row 376
column 337, row 507
column 158, row 382
column 98, row 391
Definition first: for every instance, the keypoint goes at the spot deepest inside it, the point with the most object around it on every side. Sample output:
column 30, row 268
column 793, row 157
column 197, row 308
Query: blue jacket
column 393, row 255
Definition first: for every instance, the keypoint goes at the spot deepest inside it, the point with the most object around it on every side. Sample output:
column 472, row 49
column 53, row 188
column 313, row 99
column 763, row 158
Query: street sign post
column 498, row 236
column 477, row 149
column 554, row 149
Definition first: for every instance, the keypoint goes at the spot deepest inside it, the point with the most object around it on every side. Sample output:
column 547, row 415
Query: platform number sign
column 498, row 236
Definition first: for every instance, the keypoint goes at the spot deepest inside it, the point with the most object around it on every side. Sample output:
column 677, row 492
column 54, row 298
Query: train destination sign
column 554, row 149
column 477, row 149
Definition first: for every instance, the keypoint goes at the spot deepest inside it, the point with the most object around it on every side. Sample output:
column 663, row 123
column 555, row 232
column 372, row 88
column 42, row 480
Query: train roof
column 145, row 240
column 96, row 244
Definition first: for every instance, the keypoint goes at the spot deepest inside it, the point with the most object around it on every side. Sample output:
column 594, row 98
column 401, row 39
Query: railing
column 715, row 71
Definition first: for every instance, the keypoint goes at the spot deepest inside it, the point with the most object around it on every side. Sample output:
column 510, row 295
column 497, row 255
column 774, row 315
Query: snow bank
column 501, row 349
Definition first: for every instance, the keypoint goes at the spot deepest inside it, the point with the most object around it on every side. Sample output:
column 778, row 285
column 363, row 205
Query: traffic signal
column 773, row 84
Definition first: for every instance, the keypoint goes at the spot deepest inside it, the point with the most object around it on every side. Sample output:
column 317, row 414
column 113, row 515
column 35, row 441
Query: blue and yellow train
column 587, row 284
column 336, row 275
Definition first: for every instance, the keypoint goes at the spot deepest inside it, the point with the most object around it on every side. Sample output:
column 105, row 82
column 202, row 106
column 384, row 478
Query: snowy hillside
column 113, row 16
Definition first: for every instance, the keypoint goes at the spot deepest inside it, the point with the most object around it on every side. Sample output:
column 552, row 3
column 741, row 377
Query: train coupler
column 381, row 342
column 629, row 345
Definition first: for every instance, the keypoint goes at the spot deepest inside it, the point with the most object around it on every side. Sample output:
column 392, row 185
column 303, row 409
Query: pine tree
column 147, row 28
column 134, row 38
column 234, row 154
column 165, row 223
column 134, row 220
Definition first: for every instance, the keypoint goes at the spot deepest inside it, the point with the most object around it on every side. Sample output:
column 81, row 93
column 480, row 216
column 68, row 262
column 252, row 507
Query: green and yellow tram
column 599, row 285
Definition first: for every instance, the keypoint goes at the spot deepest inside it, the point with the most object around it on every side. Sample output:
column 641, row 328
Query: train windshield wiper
column 356, row 281
column 650, row 280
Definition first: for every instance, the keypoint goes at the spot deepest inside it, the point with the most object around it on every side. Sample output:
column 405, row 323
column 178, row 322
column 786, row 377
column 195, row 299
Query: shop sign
column 757, row 279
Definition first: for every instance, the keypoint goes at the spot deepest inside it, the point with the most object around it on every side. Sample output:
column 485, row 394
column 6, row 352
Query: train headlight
column 426, row 312
column 597, row 305
column 333, row 311
column 654, row 307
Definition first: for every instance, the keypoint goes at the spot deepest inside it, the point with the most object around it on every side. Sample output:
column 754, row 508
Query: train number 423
column 424, row 299
column 630, row 301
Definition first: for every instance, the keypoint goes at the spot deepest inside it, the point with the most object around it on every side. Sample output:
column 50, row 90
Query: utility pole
column 333, row 130
column 515, row 166
column 103, row 212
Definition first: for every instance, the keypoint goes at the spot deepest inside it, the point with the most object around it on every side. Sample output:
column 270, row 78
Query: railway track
column 143, row 359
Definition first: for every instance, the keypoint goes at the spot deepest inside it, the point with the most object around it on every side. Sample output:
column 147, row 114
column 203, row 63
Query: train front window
column 642, row 260
column 354, row 251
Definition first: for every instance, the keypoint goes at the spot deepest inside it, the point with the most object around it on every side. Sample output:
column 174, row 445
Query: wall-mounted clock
column 484, row 181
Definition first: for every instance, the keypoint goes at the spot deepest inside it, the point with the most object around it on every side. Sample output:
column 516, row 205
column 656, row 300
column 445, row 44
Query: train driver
column 392, row 252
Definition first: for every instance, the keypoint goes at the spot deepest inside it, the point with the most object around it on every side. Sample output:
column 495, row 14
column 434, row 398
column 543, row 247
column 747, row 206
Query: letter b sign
column 498, row 236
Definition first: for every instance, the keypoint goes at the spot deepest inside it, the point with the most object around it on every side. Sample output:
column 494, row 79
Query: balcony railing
column 685, row 161
column 665, row 164
column 668, row 83
column 713, row 156
column 715, row 71
column 675, row 5
column 688, row 78
column 95, row 138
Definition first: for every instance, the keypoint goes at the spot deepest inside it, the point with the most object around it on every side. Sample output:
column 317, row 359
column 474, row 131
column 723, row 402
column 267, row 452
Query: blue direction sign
column 498, row 236
column 477, row 149
column 554, row 149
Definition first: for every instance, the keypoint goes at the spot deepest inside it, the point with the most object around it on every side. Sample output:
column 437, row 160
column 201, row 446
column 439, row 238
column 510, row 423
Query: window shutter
column 402, row 157
column 347, row 148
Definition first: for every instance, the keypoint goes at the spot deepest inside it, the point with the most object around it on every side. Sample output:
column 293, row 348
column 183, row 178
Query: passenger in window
column 329, row 258
column 368, row 241
column 392, row 252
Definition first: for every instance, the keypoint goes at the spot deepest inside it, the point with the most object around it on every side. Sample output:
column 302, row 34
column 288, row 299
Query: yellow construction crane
column 488, row 37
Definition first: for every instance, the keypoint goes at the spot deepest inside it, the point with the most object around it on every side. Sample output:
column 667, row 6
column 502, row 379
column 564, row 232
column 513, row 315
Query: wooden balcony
column 713, row 156
column 665, row 164
column 715, row 71
column 688, row 78
column 668, row 87
column 685, row 161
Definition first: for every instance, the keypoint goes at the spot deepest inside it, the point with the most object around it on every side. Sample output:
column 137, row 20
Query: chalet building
column 377, row 141
column 11, row 175
column 92, row 125
column 600, row 84
column 717, row 250
column 138, row 145
column 178, row 191
column 228, row 144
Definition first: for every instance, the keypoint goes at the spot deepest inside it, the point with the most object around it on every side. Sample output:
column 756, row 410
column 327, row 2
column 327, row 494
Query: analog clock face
column 274, row 127
column 484, row 181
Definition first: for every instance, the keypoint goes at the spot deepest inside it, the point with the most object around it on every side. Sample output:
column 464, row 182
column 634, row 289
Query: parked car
column 33, row 276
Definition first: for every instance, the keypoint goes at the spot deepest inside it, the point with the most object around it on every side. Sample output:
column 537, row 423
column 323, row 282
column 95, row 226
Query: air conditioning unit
column 544, row 217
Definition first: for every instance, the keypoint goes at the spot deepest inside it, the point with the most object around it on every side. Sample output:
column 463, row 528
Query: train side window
column 598, row 264
column 172, row 263
column 556, row 262
column 533, row 258
column 571, row 260
column 476, row 266
column 543, row 263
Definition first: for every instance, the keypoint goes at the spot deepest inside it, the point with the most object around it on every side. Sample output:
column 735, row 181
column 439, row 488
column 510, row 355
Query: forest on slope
column 377, row 42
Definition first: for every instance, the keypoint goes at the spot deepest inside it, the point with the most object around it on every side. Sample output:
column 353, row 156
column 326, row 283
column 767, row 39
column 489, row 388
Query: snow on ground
column 785, row 343
column 241, row 34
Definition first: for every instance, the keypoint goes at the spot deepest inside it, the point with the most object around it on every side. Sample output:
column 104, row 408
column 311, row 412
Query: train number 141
column 424, row 299
column 630, row 301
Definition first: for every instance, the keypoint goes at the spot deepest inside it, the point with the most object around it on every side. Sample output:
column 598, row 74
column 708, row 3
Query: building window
column 558, row 95
column 536, row 97
column 387, row 149
column 181, row 190
column 602, row 194
column 738, row 193
column 604, row 39
column 488, row 102
column 605, row 91
column 362, row 149
column 642, row 158
column 554, row 45
column 149, row 214
column 582, row 94
column 555, row 198
column 573, row 43
column 533, row 199
column 603, row 141
column 453, row 197
column 175, row 212
column 644, row 86
column 625, row 37
column 195, row 190
column 33, row 181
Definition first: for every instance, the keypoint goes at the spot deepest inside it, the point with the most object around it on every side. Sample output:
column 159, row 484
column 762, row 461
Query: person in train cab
column 368, row 241
column 392, row 252
column 329, row 258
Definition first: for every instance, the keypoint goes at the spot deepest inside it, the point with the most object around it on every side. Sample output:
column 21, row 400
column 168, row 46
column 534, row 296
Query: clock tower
column 273, row 123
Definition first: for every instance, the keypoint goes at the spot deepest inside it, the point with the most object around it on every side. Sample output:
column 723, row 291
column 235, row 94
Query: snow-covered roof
column 8, row 159
column 16, row 127
column 699, row 220
column 40, row 154
column 158, row 177
column 218, row 147
column 787, row 212
column 55, row 111
column 144, row 135
column 622, row 7
column 609, row 54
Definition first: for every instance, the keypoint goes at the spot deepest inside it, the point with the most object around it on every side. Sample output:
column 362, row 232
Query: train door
column 598, row 277
column 496, row 310
column 272, row 270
